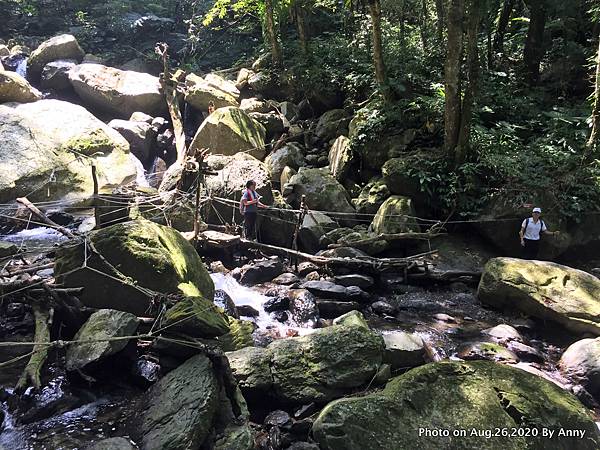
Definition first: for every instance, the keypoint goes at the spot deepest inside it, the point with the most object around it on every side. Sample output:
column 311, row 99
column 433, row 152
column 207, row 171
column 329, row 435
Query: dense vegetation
column 500, row 92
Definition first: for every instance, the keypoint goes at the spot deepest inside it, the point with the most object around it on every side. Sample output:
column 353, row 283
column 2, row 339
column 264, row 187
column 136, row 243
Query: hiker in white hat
column 531, row 231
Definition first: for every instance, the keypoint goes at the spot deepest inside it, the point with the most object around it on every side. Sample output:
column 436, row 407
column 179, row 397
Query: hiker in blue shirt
column 531, row 231
column 249, row 205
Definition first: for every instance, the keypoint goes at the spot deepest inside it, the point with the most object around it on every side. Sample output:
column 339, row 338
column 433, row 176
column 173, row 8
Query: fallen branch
column 40, row 215
column 389, row 238
column 31, row 375
column 30, row 269
column 448, row 276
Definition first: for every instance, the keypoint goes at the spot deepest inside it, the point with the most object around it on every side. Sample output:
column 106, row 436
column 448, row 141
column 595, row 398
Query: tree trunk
column 534, row 42
column 424, row 24
column 593, row 140
column 474, row 14
column 439, row 9
column 380, row 73
column 503, row 21
column 272, row 34
column 301, row 24
column 452, row 75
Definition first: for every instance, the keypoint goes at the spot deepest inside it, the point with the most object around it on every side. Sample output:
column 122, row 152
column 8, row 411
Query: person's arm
column 522, row 233
column 546, row 231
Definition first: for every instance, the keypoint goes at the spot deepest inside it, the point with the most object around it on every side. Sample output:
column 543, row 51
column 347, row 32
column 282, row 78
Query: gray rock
column 403, row 350
column 314, row 226
column 254, row 105
column 7, row 249
column 289, row 110
column 140, row 135
column 64, row 46
column 180, row 413
column 330, row 309
column 332, row 124
column 55, row 74
column 305, row 267
column 250, row 367
column 15, row 88
column 290, row 155
column 504, row 333
column 362, row 281
column 326, row 289
column 383, row 308
column 340, row 158
column 200, row 93
column 395, row 215
column 581, row 363
column 236, row 438
column 116, row 443
column 303, row 307
column 261, row 271
column 286, row 279
column 371, row 197
column 274, row 123
column 103, row 324
column 139, row 116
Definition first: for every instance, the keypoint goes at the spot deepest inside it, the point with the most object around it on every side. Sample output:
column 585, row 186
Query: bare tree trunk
column 272, row 34
column 593, row 140
column 301, row 24
column 380, row 72
column 474, row 14
column 452, row 75
column 534, row 42
column 424, row 24
column 503, row 21
column 439, row 9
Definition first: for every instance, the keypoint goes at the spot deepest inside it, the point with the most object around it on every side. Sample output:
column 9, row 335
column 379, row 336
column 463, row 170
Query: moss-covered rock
column 332, row 124
column 477, row 397
column 181, row 407
column 324, row 364
column 42, row 140
column 200, row 93
column 395, row 215
column 545, row 290
column 371, row 197
column 196, row 317
column 230, row 130
column 239, row 335
column 396, row 176
column 251, row 369
column 102, row 326
column 15, row 88
column 236, row 438
column 150, row 256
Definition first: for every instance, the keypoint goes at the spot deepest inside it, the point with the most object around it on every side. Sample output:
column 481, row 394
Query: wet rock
column 362, row 281
column 225, row 302
column 442, row 317
column 15, row 88
column 324, row 364
column 102, row 325
column 303, row 307
column 157, row 257
column 241, row 334
column 544, row 290
column 197, row 317
column 332, row 124
column 55, row 74
column 403, row 350
column 261, row 271
column 247, row 311
column 306, row 411
column 180, row 414
column 140, row 135
column 230, row 130
column 64, row 46
column 236, row 438
column 146, row 372
column 322, row 191
column 286, row 279
column 7, row 249
column 116, row 91
column 392, row 281
column 448, row 395
column 395, row 215
column 581, row 363
column 326, row 289
column 340, row 158
column 280, row 316
column 330, row 309
column 250, row 367
column 525, row 352
column 489, row 351
column 503, row 333
column 281, row 302
column 383, row 308
column 200, row 93
column 312, row 276
column 290, row 155
column 116, row 443
column 279, row 419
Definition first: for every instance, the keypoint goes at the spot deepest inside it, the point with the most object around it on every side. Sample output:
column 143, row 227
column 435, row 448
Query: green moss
column 96, row 141
column 239, row 336
column 196, row 317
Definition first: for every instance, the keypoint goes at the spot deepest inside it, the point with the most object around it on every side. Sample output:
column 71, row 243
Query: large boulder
column 41, row 141
column 251, row 369
column 222, row 84
column 323, row 192
column 314, row 226
column 332, row 124
column 64, row 46
column 581, row 363
column 290, row 155
column 15, row 88
column 200, row 93
column 197, row 317
column 544, row 290
column 324, row 364
column 395, row 215
column 100, row 331
column 181, row 407
column 371, row 197
column 117, row 92
column 230, row 130
column 156, row 257
column 458, row 405
column 397, row 177
column 340, row 158
column 140, row 135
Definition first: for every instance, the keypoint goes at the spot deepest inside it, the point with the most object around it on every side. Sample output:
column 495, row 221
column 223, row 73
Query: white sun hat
column 537, row 210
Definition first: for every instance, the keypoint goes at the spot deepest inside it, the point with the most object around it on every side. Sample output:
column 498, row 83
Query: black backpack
column 527, row 224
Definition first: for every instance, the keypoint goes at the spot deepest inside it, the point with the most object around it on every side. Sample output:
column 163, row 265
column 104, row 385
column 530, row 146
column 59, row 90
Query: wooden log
column 30, row 269
column 40, row 215
column 389, row 238
column 31, row 375
column 448, row 276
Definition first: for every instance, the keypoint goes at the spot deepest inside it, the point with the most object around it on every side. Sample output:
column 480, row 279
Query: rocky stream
column 132, row 315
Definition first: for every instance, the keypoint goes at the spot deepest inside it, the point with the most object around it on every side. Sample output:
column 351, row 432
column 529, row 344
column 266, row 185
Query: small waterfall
column 22, row 68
